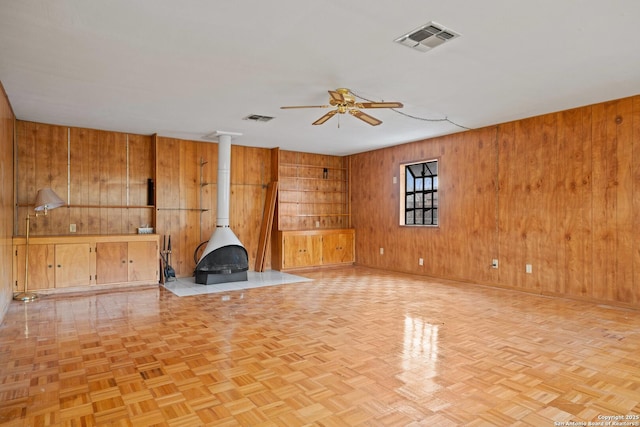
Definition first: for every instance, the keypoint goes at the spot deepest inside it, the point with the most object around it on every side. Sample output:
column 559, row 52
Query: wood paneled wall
column 7, row 126
column 101, row 175
column 187, row 196
column 560, row 192
column 464, row 243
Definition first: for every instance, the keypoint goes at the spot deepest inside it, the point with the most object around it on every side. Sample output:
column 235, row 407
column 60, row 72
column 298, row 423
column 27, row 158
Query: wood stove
column 224, row 259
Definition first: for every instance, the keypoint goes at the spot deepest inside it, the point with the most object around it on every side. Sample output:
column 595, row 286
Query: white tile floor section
column 186, row 286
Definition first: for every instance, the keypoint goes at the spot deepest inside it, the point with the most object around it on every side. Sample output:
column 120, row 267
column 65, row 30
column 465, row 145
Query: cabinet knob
column 50, row 266
column 131, row 261
column 124, row 262
column 59, row 266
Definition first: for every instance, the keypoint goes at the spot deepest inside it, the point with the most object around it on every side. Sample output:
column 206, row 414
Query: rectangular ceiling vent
column 258, row 118
column 427, row 36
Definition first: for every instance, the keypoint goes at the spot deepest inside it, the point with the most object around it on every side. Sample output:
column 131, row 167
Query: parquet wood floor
column 355, row 347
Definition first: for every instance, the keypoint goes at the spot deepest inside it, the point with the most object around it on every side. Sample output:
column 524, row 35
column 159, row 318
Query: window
column 419, row 193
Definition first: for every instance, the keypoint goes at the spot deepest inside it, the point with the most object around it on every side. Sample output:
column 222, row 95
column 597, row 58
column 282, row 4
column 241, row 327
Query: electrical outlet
column 528, row 268
column 420, row 261
column 317, row 224
column 381, row 251
column 72, row 228
column 494, row 264
column 395, row 180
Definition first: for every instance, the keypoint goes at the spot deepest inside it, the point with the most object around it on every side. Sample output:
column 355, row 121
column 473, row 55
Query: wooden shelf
column 312, row 215
column 313, row 191
column 309, row 190
column 297, row 165
column 309, row 178
column 315, row 203
column 184, row 209
column 23, row 205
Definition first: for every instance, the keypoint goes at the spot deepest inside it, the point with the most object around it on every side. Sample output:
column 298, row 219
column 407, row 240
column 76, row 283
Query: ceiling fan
column 345, row 102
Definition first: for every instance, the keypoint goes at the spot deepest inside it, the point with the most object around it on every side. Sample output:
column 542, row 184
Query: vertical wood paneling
column 7, row 129
column 567, row 203
column 113, row 181
column 635, row 188
column 168, row 194
column 604, row 199
column 537, row 202
column 90, row 167
column 208, row 154
column 484, row 246
column 84, row 176
column 141, row 168
column 189, row 189
column 623, row 125
column 511, row 254
column 43, row 149
column 464, row 243
column 573, row 204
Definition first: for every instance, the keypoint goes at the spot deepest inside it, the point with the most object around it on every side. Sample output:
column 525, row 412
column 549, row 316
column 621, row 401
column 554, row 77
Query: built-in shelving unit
column 313, row 192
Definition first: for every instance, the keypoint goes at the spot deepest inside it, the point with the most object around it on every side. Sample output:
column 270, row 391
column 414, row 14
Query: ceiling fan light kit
column 345, row 102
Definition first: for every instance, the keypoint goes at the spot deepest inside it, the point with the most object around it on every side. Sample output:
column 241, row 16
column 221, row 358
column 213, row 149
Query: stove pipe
column 224, row 259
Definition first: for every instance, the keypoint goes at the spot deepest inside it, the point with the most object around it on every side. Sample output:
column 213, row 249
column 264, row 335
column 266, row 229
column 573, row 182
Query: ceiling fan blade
column 305, row 106
column 337, row 97
column 365, row 117
column 380, row 105
column 326, row 117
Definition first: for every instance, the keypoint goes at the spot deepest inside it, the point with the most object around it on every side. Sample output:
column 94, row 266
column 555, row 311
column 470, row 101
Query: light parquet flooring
column 354, row 347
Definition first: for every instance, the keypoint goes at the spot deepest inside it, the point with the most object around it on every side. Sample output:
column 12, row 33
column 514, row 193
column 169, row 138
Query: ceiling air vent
column 258, row 118
column 427, row 36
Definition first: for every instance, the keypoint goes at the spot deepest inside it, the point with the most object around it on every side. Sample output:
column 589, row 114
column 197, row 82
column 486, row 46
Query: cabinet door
column 111, row 262
column 41, row 271
column 73, row 264
column 300, row 250
column 143, row 261
column 337, row 248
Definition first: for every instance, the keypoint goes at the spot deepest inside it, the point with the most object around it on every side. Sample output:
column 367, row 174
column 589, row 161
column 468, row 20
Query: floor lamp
column 46, row 199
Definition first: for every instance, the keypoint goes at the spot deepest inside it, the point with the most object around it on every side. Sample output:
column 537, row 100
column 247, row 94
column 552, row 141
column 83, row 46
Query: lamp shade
column 47, row 199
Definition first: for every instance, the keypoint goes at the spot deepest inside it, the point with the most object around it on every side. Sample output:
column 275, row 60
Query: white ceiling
column 187, row 68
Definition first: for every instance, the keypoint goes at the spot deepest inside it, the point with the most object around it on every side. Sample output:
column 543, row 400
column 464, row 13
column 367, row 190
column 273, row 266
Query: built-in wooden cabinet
column 313, row 212
column 112, row 265
column 118, row 262
column 301, row 250
column 315, row 248
column 73, row 264
column 59, row 262
column 338, row 247
column 41, row 266
column 143, row 261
